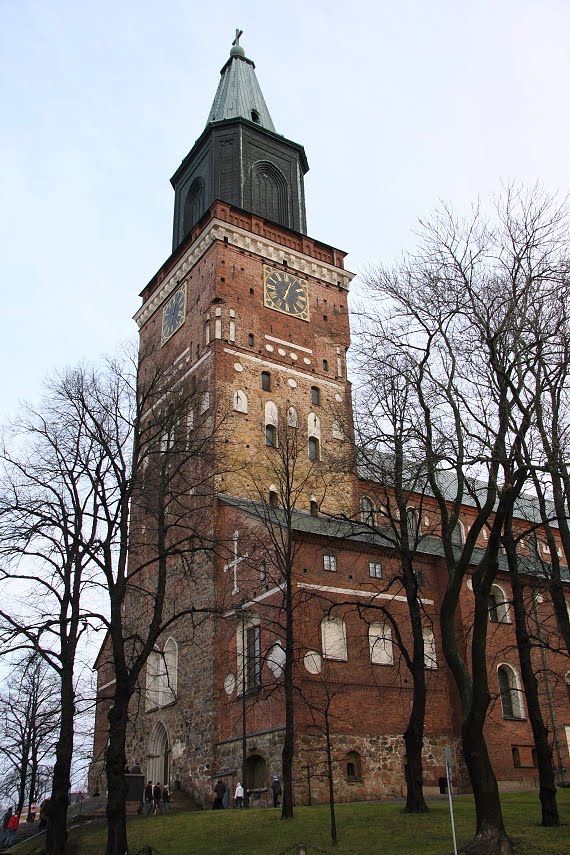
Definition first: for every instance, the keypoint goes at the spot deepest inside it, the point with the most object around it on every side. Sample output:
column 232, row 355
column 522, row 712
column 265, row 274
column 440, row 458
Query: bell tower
column 239, row 157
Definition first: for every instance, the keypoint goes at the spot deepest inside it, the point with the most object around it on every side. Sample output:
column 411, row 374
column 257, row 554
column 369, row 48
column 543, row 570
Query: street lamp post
column 242, row 614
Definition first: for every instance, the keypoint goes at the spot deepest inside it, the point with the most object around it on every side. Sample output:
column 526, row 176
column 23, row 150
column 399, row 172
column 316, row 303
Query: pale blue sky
column 397, row 104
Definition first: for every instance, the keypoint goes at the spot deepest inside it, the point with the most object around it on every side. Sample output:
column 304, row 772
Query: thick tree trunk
column 490, row 834
column 413, row 740
column 56, row 834
column 547, row 780
column 115, row 762
column 288, row 742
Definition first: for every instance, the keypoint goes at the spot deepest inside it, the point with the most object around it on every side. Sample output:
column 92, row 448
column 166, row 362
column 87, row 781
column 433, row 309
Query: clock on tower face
column 286, row 293
column 174, row 314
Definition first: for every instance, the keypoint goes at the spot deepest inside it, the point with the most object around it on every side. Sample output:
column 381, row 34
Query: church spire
column 239, row 94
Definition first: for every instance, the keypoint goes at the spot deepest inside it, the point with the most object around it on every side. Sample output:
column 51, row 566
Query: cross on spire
column 237, row 559
column 237, row 38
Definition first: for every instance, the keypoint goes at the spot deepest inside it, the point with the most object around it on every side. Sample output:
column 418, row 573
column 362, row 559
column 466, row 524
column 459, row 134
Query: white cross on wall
column 236, row 560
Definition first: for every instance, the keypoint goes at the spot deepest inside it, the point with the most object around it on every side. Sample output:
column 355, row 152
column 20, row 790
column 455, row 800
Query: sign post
column 447, row 760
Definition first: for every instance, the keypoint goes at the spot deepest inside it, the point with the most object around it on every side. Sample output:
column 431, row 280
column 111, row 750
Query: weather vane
column 237, row 38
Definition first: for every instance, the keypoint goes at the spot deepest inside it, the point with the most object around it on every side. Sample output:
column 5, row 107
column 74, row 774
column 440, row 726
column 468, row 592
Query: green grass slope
column 363, row 829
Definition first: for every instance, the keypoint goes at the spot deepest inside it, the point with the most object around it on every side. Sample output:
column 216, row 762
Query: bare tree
column 457, row 318
column 29, row 715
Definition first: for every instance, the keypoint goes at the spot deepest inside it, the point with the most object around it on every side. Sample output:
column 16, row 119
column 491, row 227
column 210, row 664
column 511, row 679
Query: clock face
column 174, row 313
column 286, row 293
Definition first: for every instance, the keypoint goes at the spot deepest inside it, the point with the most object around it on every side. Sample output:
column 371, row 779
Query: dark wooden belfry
column 239, row 158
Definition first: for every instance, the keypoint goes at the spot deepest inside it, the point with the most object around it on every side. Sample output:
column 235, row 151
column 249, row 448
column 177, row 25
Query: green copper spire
column 239, row 94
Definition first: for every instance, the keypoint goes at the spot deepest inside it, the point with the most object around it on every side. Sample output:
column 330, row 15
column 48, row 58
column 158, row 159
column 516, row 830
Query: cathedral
column 254, row 312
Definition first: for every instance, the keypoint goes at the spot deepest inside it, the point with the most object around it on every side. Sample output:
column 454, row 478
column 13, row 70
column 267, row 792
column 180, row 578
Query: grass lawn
column 363, row 829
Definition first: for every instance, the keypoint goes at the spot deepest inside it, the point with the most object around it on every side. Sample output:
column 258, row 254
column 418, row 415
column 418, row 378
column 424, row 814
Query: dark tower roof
column 239, row 94
column 240, row 159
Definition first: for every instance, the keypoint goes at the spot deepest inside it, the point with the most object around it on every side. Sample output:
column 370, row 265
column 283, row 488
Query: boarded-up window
column 380, row 640
column 333, row 636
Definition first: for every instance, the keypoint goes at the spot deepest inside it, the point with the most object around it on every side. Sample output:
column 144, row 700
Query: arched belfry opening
column 194, row 205
column 158, row 757
column 269, row 192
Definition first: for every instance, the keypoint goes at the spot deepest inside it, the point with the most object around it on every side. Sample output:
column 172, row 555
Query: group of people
column 156, row 798
column 221, row 799
column 10, row 825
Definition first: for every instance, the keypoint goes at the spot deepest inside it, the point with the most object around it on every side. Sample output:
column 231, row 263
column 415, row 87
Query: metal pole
column 447, row 759
column 243, row 714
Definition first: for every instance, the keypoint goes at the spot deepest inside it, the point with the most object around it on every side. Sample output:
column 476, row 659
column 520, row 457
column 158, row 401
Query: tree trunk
column 56, row 834
column 413, row 740
column 331, row 781
column 547, row 780
column 115, row 762
column 490, row 834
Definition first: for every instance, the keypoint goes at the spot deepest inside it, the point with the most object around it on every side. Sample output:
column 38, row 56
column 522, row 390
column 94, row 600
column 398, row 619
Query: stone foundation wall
column 381, row 767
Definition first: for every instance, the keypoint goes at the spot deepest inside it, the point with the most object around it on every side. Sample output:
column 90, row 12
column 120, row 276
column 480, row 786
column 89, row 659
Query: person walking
column 11, row 829
column 220, row 790
column 148, row 799
column 157, row 797
column 238, row 796
column 166, row 798
column 276, row 787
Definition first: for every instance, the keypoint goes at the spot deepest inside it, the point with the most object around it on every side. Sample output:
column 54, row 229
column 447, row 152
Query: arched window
column 266, row 381
column 498, row 606
column 248, row 653
column 380, row 641
column 292, row 417
column 353, row 766
column 269, row 192
column 458, row 534
column 271, row 422
column 430, row 660
column 256, row 772
column 367, row 511
column 240, row 401
column 315, row 395
column 153, row 680
column 314, row 448
column 273, row 497
column 169, row 675
column 511, row 695
column 325, row 365
column 314, row 433
column 194, row 205
column 333, row 637
column 413, row 518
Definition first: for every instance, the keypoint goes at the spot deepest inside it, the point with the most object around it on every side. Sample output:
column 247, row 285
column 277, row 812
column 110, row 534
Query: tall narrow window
column 367, row 514
column 498, row 606
column 271, row 421
column 253, row 658
column 314, row 434
column 266, row 381
column 240, row 401
column 511, row 699
column 292, row 417
column 430, row 660
column 516, row 757
column 314, row 448
column 329, row 563
column 250, row 339
column 315, row 395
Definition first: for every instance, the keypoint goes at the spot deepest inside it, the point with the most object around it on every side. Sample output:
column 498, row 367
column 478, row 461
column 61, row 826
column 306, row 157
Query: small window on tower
column 266, row 381
column 250, row 339
column 315, row 395
column 255, row 117
column 325, row 365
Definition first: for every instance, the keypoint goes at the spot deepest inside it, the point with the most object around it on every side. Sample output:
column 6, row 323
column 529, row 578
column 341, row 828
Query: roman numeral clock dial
column 286, row 293
column 174, row 314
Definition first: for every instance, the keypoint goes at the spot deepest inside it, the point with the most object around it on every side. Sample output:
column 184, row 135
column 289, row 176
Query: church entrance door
column 158, row 758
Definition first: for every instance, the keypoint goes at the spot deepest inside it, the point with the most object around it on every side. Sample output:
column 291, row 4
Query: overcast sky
column 398, row 105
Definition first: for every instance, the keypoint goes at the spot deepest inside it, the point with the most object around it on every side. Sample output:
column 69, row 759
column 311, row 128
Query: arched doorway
column 158, row 757
column 256, row 770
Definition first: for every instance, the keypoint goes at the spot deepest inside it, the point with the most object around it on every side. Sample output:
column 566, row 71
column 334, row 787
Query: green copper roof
column 239, row 94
